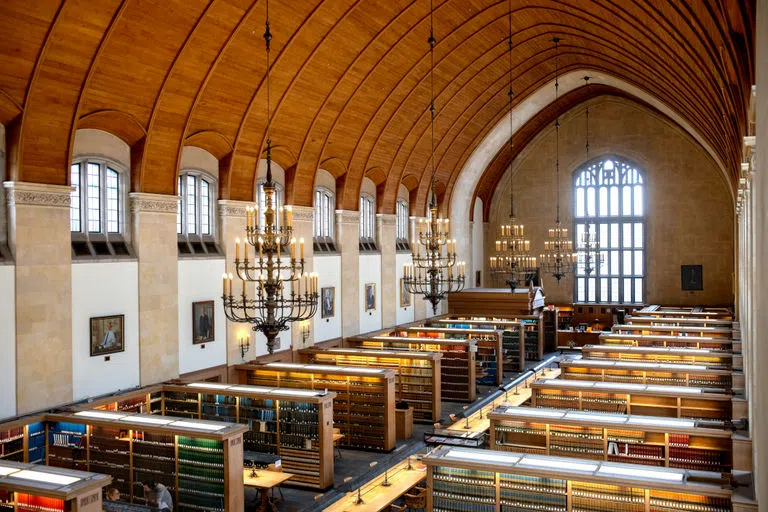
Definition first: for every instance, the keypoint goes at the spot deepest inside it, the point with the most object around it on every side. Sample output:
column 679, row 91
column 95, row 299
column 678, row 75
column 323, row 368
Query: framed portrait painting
column 202, row 322
column 328, row 304
column 405, row 296
column 107, row 335
column 370, row 297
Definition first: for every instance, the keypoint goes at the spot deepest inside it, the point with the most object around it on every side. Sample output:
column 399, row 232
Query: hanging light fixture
column 558, row 258
column 272, row 269
column 512, row 259
column 435, row 273
column 589, row 254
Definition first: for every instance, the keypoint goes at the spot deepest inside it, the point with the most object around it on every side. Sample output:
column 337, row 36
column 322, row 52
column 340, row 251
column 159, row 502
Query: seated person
column 157, row 495
column 113, row 494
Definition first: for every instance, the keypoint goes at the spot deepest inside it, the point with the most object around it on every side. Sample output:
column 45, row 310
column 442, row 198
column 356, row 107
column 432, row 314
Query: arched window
column 609, row 202
column 401, row 226
column 97, row 208
column 195, row 218
column 278, row 201
column 367, row 223
column 325, row 202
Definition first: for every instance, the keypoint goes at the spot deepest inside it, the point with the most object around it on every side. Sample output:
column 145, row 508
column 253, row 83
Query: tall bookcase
column 646, row 440
column 645, row 399
column 489, row 359
column 466, row 479
column 685, row 311
column 648, row 340
column 364, row 407
column 674, row 374
column 201, row 462
column 33, row 488
column 457, row 366
column 295, row 424
column 512, row 336
column 23, row 440
column 417, row 379
column 709, row 357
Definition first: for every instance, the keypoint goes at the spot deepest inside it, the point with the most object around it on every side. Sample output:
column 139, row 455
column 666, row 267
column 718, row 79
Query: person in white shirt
column 157, row 494
column 109, row 337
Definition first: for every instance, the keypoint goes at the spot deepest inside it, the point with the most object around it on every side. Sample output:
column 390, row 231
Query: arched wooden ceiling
column 350, row 81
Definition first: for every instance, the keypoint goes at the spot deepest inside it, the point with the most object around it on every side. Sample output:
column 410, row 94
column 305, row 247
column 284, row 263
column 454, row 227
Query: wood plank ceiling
column 350, row 84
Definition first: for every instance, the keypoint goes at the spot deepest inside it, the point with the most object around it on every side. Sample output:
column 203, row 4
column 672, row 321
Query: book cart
column 457, row 366
column 364, row 407
column 417, row 378
column 34, row 488
column 466, row 479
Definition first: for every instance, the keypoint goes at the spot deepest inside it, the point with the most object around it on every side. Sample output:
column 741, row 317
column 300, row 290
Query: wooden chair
column 415, row 500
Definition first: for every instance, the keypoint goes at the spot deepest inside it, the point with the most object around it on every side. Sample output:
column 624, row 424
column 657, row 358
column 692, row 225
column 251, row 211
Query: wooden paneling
column 350, row 81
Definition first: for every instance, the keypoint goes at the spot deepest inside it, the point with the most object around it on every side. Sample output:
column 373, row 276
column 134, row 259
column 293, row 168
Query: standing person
column 157, row 494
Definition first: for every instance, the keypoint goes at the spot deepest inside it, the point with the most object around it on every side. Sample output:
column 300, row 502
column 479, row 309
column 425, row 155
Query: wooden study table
column 375, row 496
column 264, row 481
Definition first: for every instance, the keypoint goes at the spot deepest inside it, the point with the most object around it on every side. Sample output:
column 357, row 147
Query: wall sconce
column 244, row 343
column 304, row 330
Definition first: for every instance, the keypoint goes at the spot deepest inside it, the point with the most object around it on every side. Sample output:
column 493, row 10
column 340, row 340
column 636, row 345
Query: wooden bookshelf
column 364, row 407
column 489, row 358
column 294, row 424
column 201, row 462
column 457, row 366
column 673, row 330
column 417, row 379
column 646, row 440
column 32, row 488
column 679, row 321
column 685, row 311
column 461, row 479
column 668, row 374
column 709, row 357
column 512, row 336
column 644, row 399
column 652, row 340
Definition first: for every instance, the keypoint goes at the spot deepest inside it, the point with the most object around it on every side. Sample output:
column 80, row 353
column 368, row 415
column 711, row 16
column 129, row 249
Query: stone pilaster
column 231, row 226
column 420, row 306
column 40, row 240
column 303, row 218
column 390, row 274
column 154, row 240
column 348, row 244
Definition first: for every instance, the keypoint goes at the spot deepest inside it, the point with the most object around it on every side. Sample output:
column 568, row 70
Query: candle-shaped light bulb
column 229, row 277
column 293, row 248
column 224, row 283
column 288, row 216
column 301, row 248
column 277, row 243
column 237, row 248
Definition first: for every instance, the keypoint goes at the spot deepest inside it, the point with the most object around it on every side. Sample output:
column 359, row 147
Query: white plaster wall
column 7, row 341
column 101, row 143
column 478, row 252
column 370, row 272
column 200, row 280
column 403, row 315
column 368, row 187
column 328, row 269
column 197, row 158
column 325, row 179
column 102, row 289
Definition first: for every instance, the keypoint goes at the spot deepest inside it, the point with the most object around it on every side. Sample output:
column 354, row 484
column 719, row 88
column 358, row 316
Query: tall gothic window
column 401, row 226
column 325, row 203
column 609, row 201
column 367, row 223
column 195, row 217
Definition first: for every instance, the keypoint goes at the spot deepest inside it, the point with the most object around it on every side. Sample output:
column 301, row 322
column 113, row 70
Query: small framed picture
column 405, row 296
column 370, row 297
column 107, row 335
column 202, row 322
column 328, row 305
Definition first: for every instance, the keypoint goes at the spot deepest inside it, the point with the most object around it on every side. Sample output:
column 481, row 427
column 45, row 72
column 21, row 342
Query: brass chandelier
column 558, row 258
column 589, row 254
column 512, row 259
column 272, row 269
column 433, row 273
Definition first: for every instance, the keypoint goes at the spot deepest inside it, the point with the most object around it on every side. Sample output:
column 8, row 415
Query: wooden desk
column 377, row 497
column 479, row 422
column 265, row 481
